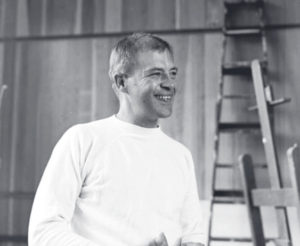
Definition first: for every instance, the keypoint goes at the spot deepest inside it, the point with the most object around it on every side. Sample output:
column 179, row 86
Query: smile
column 164, row 98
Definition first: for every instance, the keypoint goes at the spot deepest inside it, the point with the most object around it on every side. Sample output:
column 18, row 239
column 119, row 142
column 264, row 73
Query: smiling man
column 121, row 181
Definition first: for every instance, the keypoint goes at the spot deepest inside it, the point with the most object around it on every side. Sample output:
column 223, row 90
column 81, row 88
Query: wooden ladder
column 277, row 196
column 234, row 69
column 245, row 71
column 280, row 198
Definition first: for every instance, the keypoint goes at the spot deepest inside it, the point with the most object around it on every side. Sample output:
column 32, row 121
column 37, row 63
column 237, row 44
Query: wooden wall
column 54, row 59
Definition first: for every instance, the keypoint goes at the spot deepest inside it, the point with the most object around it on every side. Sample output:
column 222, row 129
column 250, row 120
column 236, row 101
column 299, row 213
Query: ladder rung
column 235, row 126
column 228, row 193
column 231, row 239
column 232, row 201
column 249, row 96
column 228, row 197
column 240, row 68
column 241, row 32
column 225, row 165
column 230, row 165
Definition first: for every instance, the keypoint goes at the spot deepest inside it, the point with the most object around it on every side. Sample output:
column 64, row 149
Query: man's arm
column 56, row 196
column 161, row 240
column 192, row 215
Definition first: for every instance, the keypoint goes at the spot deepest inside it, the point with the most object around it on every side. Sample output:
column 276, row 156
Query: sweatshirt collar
column 132, row 128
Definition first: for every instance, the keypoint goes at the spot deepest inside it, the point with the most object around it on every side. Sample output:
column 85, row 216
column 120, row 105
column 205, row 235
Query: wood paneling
column 55, row 84
column 104, row 102
column 7, row 135
column 284, row 60
column 56, row 97
column 68, row 17
column 60, row 17
column 35, row 18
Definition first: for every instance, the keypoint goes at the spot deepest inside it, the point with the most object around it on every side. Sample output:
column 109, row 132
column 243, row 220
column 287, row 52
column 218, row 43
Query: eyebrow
column 159, row 69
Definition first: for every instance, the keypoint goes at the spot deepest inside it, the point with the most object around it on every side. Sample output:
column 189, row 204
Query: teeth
column 164, row 98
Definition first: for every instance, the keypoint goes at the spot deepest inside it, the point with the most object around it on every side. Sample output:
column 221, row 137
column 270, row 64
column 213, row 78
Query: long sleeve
column 56, row 196
column 191, row 216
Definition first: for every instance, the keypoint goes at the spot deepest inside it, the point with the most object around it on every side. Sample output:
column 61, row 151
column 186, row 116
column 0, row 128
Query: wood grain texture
column 65, row 82
column 283, row 56
column 22, row 24
column 9, row 21
column 61, row 17
column 113, row 16
column 35, row 18
column 104, row 102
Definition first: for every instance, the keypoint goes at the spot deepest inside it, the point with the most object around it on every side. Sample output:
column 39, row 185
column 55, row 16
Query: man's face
column 151, row 87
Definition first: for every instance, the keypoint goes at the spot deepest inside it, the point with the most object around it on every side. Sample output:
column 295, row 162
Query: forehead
column 150, row 59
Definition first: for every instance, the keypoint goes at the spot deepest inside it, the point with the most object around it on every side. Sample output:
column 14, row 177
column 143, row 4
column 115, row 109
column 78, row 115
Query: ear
column 120, row 82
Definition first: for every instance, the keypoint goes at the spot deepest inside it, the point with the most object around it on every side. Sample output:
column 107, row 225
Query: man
column 121, row 181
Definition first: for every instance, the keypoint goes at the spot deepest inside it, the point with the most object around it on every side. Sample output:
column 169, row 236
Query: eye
column 173, row 74
column 156, row 75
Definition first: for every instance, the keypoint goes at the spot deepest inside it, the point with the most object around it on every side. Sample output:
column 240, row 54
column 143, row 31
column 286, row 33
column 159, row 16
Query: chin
column 165, row 114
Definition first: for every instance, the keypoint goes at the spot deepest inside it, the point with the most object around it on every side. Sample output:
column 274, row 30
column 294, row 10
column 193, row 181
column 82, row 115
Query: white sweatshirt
column 112, row 183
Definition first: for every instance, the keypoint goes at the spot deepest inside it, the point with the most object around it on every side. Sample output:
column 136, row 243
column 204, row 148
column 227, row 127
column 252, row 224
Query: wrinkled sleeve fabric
column 56, row 196
column 192, row 215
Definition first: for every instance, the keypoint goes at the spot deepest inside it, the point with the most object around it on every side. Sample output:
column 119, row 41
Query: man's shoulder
column 176, row 144
column 98, row 128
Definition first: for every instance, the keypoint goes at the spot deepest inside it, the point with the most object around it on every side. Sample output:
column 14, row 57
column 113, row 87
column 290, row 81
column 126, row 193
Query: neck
column 133, row 119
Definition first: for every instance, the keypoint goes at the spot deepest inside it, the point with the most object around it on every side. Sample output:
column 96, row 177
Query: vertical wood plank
column 100, row 14
column 194, row 104
column 78, row 17
column 160, row 15
column 25, row 120
column 284, row 55
column 191, row 14
column 44, row 15
column 15, row 134
column 22, row 18
column 113, row 16
column 282, row 12
column 212, row 73
column 60, row 17
column 104, row 101
column 21, row 209
column 2, row 17
column 35, row 19
column 10, row 18
column 4, row 166
column 6, row 134
column 134, row 15
column 214, row 13
column 88, row 16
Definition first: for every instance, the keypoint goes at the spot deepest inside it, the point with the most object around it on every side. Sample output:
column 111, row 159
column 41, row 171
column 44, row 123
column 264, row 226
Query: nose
column 168, row 85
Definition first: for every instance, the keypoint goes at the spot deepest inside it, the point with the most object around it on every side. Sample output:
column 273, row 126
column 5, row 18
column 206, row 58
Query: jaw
column 163, row 106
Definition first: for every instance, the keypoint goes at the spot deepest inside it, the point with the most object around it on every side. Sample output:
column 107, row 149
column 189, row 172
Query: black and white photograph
column 149, row 123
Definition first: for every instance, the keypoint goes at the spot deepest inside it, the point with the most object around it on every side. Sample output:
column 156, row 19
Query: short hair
column 123, row 55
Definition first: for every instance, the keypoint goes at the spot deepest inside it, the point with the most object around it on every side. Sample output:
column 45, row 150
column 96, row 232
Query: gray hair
column 123, row 55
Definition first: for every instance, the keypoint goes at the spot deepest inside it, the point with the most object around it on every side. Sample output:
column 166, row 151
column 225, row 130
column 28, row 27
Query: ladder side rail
column 218, row 115
column 268, row 142
column 248, row 180
column 293, row 155
column 263, row 112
